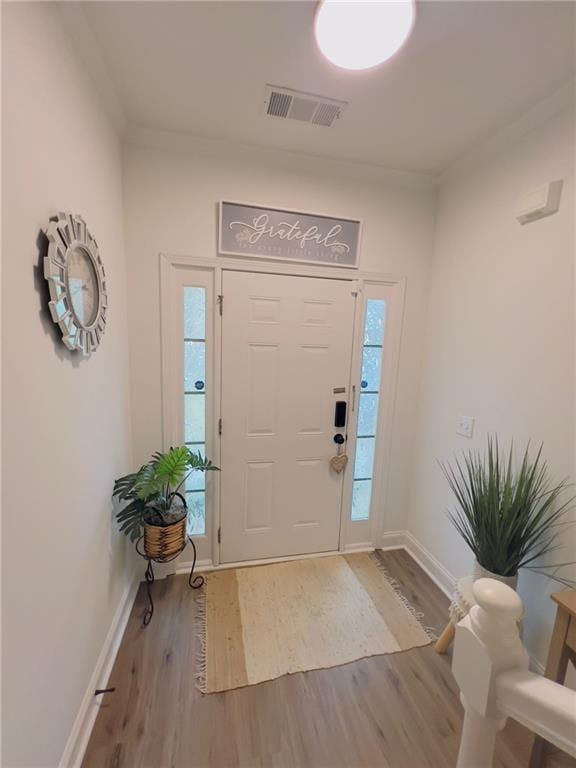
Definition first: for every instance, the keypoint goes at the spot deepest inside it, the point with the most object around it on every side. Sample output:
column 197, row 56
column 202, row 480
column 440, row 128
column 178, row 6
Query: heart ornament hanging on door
column 338, row 463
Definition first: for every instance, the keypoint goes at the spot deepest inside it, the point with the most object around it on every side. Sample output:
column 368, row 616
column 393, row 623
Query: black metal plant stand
column 194, row 582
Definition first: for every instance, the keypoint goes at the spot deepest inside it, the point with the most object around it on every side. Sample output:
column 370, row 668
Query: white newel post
column 487, row 643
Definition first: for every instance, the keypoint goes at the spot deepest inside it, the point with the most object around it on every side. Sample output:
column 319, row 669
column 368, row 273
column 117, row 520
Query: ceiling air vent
column 306, row 107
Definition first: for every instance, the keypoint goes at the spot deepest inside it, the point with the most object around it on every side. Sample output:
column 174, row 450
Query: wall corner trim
column 439, row 574
column 90, row 705
column 393, row 540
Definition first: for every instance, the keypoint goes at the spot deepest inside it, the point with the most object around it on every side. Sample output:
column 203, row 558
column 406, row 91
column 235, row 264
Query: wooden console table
column 562, row 650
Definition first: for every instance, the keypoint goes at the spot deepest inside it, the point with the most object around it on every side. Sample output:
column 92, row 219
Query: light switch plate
column 465, row 426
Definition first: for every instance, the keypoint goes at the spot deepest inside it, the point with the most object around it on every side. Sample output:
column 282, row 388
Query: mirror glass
column 83, row 286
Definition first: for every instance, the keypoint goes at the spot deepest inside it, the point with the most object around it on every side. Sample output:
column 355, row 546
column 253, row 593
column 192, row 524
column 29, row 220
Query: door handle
column 340, row 414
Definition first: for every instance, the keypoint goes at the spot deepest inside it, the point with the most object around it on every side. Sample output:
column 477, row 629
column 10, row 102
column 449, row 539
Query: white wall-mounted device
column 465, row 426
column 543, row 201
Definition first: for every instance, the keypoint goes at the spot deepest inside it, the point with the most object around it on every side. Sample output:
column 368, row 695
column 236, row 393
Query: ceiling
column 202, row 67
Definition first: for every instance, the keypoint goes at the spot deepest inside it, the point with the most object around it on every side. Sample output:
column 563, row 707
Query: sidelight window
column 195, row 401
column 369, row 395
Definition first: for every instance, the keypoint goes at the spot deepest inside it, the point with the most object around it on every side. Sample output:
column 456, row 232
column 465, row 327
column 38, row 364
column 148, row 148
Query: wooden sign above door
column 275, row 233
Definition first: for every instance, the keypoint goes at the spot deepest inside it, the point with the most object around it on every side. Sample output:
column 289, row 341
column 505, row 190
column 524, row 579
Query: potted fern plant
column 510, row 518
column 155, row 509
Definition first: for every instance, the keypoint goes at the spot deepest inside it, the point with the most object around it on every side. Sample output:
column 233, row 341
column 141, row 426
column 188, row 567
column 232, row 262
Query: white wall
column 499, row 343
column 66, row 427
column 172, row 186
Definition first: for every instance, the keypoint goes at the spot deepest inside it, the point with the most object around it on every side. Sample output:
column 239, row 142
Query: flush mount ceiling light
column 359, row 34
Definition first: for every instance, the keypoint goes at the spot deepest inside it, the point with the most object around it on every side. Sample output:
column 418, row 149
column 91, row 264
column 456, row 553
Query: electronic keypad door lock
column 340, row 414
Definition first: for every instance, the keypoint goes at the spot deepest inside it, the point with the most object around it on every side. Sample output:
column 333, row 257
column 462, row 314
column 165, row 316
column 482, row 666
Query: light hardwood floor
column 395, row 711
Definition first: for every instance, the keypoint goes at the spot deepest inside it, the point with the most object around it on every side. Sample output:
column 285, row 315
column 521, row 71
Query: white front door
column 286, row 346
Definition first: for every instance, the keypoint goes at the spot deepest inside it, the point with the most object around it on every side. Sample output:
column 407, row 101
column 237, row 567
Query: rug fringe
column 200, row 638
column 418, row 615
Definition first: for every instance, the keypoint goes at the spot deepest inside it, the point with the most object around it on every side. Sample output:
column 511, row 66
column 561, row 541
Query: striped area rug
column 262, row 622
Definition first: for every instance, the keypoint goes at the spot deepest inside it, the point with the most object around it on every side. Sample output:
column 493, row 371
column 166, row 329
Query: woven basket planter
column 163, row 542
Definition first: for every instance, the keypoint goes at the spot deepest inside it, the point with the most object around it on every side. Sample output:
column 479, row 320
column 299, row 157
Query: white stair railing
column 490, row 665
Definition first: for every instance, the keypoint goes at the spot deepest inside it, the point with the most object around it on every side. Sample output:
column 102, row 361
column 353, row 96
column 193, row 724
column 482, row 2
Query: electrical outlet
column 465, row 426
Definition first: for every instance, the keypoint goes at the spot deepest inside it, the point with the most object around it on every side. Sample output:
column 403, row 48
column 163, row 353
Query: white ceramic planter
column 481, row 573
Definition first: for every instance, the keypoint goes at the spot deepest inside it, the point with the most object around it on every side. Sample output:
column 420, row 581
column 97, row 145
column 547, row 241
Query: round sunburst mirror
column 76, row 280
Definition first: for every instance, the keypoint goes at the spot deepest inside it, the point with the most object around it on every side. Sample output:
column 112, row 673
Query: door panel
column 286, row 344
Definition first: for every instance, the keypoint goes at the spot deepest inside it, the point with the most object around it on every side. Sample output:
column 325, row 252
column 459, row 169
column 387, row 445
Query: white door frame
column 174, row 270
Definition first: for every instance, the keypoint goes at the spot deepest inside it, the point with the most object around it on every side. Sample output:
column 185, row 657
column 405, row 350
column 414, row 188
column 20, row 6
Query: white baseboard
column 82, row 728
column 393, row 540
column 360, row 547
column 439, row 574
